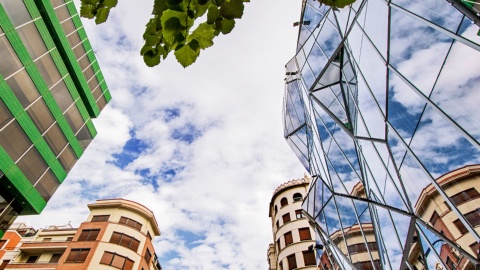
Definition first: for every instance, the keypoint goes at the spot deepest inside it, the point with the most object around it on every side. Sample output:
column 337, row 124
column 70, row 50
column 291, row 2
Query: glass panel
column 62, row 96
column 67, row 159
column 55, row 139
column 5, row 115
column 84, row 61
column 56, row 3
column 41, row 115
column 32, row 40
column 48, row 70
column 68, row 27
column 88, row 73
column 74, row 118
column 73, row 38
column 10, row 61
column 47, row 185
column 93, row 83
column 101, row 102
column 84, row 137
column 79, row 51
column 16, row 11
column 23, row 88
column 14, row 141
column 32, row 165
column 62, row 13
column 118, row 261
column 97, row 92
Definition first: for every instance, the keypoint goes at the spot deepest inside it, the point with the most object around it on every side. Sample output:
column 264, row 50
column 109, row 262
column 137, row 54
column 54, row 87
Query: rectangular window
column 465, row 196
column 309, row 258
column 278, row 246
column 77, row 255
column 278, row 224
column 304, row 234
column 288, row 238
column 100, row 218
column 131, row 223
column 125, row 240
column 298, row 214
column 472, row 217
column 55, row 258
column 292, row 262
column 47, row 240
column 89, row 235
column 361, row 247
column 286, row 218
column 32, row 259
column 148, row 256
column 434, row 218
column 117, row 261
column 70, row 238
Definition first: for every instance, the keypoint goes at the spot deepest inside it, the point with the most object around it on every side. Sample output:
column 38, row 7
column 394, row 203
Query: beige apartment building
column 293, row 238
column 117, row 234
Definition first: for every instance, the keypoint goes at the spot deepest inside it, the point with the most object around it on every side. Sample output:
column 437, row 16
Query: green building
column 51, row 87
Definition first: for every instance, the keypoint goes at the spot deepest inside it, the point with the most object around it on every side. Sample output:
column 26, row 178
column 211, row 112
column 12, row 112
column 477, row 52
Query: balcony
column 29, row 247
column 38, row 265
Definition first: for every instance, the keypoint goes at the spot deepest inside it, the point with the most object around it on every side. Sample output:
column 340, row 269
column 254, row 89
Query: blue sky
column 202, row 147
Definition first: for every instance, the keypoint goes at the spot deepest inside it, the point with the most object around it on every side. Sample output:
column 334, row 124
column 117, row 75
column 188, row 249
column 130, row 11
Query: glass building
column 381, row 107
column 51, row 87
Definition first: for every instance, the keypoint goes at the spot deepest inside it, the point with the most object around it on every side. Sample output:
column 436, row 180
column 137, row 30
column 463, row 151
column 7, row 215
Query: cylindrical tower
column 294, row 240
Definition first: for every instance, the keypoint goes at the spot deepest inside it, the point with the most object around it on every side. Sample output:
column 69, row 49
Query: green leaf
column 151, row 59
column 110, row 3
column 145, row 49
column 169, row 14
column 202, row 2
column 90, row 2
column 86, row 11
column 102, row 15
column 212, row 14
column 162, row 50
column 204, row 35
column 232, row 9
column 201, row 10
column 159, row 6
column 337, row 3
column 194, row 45
column 186, row 55
column 226, row 26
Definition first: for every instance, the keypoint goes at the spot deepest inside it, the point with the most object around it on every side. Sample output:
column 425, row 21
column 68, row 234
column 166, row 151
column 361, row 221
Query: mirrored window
column 47, row 185
column 32, row 40
column 14, row 141
column 23, row 88
column 62, row 96
column 48, row 69
column 10, row 61
column 32, row 165
column 41, row 115
column 16, row 11
column 55, row 139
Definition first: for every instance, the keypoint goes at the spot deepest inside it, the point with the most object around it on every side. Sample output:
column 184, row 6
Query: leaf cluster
column 171, row 28
column 337, row 3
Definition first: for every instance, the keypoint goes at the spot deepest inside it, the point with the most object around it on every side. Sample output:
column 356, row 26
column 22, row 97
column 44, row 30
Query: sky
column 202, row 147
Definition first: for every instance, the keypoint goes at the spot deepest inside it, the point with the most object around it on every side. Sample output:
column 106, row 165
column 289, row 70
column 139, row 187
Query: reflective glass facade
column 381, row 108
column 48, row 94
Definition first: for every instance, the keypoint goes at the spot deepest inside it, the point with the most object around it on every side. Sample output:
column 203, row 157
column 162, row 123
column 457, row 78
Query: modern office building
column 294, row 239
column 51, row 87
column 383, row 95
column 118, row 234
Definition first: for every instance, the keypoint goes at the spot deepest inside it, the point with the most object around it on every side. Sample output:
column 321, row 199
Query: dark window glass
column 298, row 213
column 62, row 96
column 77, row 255
column 297, row 197
column 128, row 264
column 10, row 62
column 118, row 261
column 465, row 196
column 70, row 238
column 472, row 217
column 89, row 235
column 278, row 246
column 434, row 218
column 283, row 202
column 107, row 258
column 55, row 139
column 278, row 224
column 55, row 258
column 32, row 259
column 309, row 258
column 101, row 102
column 79, row 51
column 62, row 13
column 16, row 11
column 41, row 115
column 125, row 240
column 361, row 247
column 292, row 262
column 131, row 223
column 84, row 137
column 47, row 185
column 100, row 218
column 74, row 118
column 32, row 165
column 134, row 245
column 67, row 158
column 288, row 238
column 49, row 71
column 304, row 234
column 14, row 141
column 31, row 40
column 116, row 237
column 148, row 256
column 23, row 88
column 286, row 218
column 5, row 115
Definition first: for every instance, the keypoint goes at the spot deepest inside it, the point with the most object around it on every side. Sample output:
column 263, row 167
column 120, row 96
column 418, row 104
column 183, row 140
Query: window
column 32, row 259
column 89, row 235
column 309, row 258
column 286, row 218
column 297, row 197
column 125, row 240
column 299, row 213
column 77, row 255
column 70, row 238
column 148, row 256
column 368, row 265
column 276, row 210
column 278, row 224
column 55, row 258
column 361, row 247
column 117, row 261
column 278, row 245
column 47, row 240
column 465, row 196
column 292, row 262
column 2, row 242
column 288, row 238
column 434, row 218
column 304, row 234
column 149, row 236
column 131, row 223
column 283, row 202
column 100, row 218
column 472, row 217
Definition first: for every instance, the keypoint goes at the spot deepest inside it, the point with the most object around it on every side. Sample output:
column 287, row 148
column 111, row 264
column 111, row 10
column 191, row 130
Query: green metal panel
column 19, row 186
column 66, row 52
column 91, row 128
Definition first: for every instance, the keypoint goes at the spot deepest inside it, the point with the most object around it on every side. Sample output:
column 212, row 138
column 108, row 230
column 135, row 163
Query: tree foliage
column 170, row 29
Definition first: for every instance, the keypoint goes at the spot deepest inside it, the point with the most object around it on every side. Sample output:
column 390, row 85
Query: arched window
column 297, row 197
column 283, row 202
column 276, row 209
